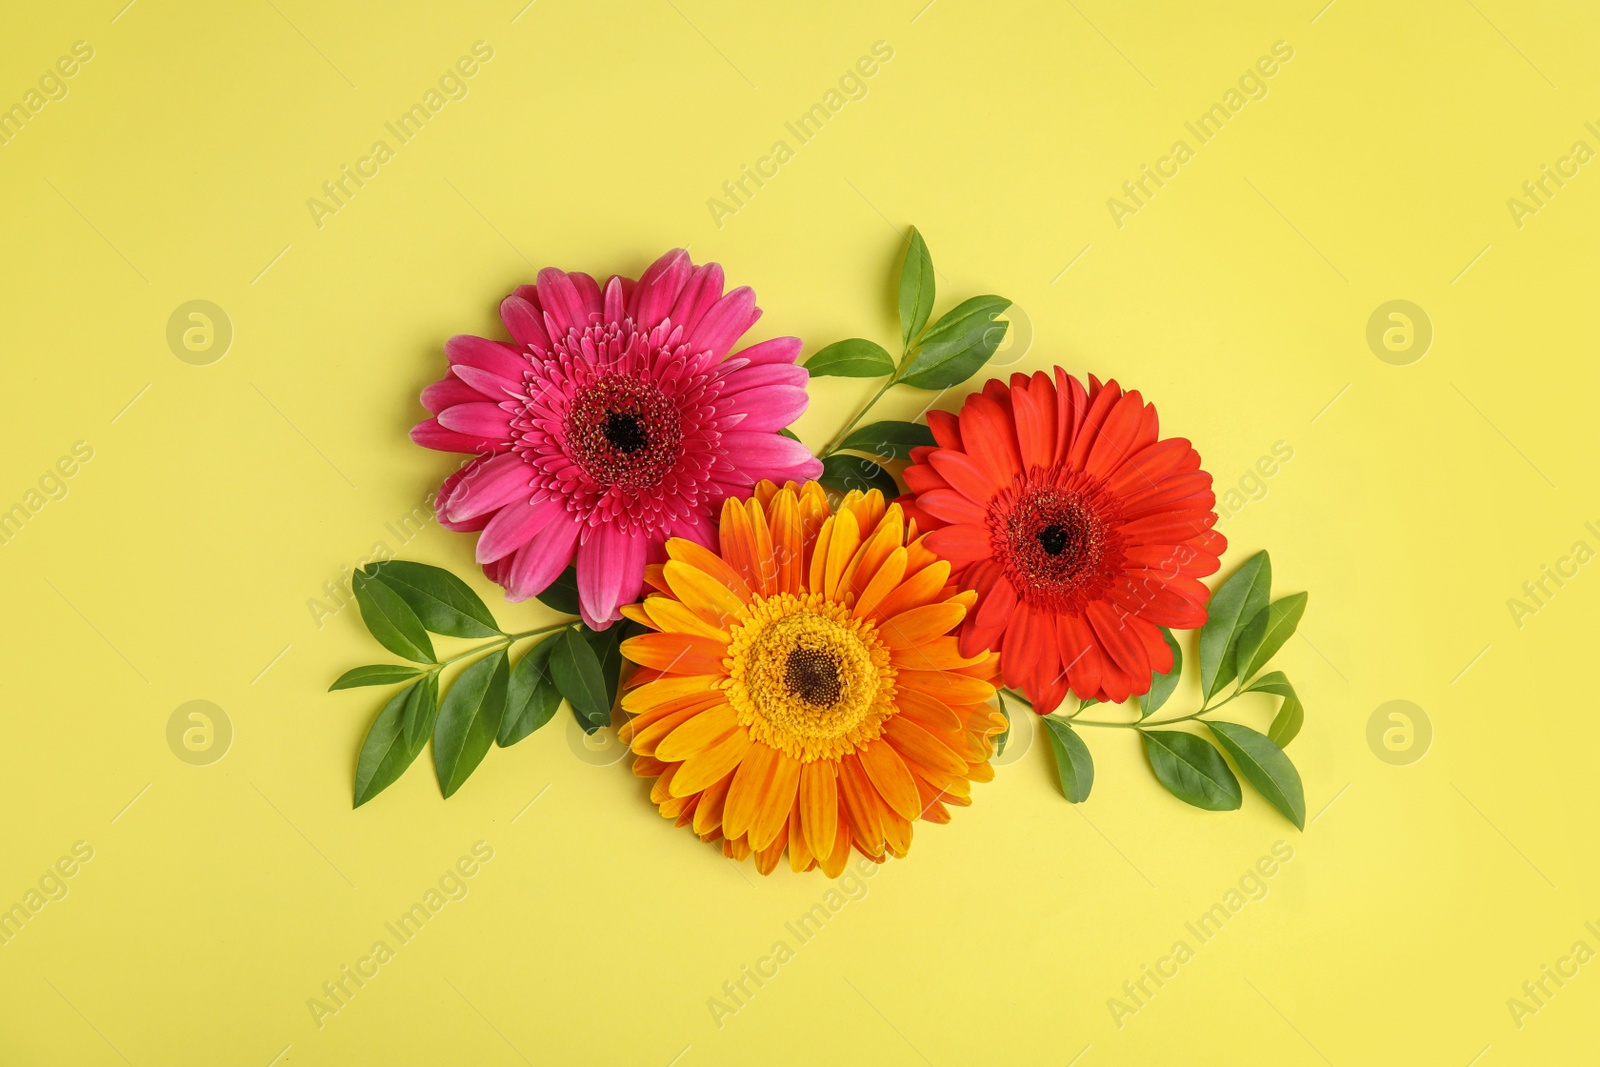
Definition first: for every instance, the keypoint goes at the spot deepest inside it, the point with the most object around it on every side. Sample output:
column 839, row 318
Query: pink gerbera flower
column 616, row 421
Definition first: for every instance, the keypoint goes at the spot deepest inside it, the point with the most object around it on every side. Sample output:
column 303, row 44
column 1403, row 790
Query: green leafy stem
column 491, row 702
column 1244, row 629
column 936, row 357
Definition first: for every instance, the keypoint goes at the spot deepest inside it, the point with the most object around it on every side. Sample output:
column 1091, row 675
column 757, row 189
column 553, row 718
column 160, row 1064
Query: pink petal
column 775, row 350
column 771, row 408
column 614, row 300
column 560, row 300
column 490, row 486
column 515, row 525
column 491, row 386
column 610, row 573
column 524, row 322
column 541, row 561
column 726, row 322
column 659, row 287
column 764, row 450
column 448, row 392
column 492, row 356
column 447, row 490
column 482, row 420
column 702, row 291
column 429, row 434
column 762, row 375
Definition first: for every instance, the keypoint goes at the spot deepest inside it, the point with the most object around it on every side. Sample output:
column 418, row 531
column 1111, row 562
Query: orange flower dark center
column 1057, row 539
column 812, row 674
column 624, row 431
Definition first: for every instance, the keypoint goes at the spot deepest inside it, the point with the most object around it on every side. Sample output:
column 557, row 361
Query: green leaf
column 1273, row 682
column 888, row 440
column 1233, row 605
column 376, row 674
column 531, row 695
column 1162, row 685
column 444, row 603
column 1266, row 632
column 790, row 434
column 577, row 675
column 853, row 358
column 845, row 473
column 1286, row 724
column 1192, row 770
column 916, row 289
column 469, row 720
column 607, row 646
column 956, row 346
column 562, row 594
column 1003, row 736
column 1074, row 766
column 391, row 619
column 387, row 751
column 1266, row 767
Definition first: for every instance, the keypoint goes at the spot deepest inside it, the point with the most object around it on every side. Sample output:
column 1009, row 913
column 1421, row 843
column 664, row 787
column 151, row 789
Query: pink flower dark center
column 623, row 431
column 1056, row 537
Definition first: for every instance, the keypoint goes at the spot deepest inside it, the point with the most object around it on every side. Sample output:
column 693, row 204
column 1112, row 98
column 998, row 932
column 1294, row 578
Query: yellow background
column 181, row 562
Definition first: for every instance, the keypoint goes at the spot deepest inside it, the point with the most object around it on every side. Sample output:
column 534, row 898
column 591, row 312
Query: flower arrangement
column 805, row 659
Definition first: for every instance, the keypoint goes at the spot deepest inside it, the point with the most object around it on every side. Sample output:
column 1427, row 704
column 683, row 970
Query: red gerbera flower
column 1081, row 530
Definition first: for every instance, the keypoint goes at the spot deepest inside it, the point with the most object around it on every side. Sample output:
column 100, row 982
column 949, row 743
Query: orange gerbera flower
column 802, row 690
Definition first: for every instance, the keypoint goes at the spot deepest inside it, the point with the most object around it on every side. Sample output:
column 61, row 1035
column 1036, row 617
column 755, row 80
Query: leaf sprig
column 933, row 357
column 1243, row 631
column 491, row 702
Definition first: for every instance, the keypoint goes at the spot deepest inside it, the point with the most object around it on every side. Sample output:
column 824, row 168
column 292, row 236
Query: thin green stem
column 497, row 643
column 829, row 448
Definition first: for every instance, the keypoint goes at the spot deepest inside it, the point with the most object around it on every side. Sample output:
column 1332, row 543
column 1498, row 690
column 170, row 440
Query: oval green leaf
column 1286, row 724
column 888, row 440
column 1266, row 767
column 853, row 358
column 444, row 603
column 1233, row 605
column 1192, row 770
column 562, row 594
column 1003, row 736
column 387, row 750
column 1264, row 634
column 955, row 347
column 469, row 720
column 391, row 619
column 845, row 473
column 916, row 289
column 531, row 695
column 1162, row 685
column 376, row 674
column 577, row 675
column 1074, row 766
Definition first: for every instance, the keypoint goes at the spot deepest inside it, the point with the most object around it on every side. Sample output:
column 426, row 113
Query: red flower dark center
column 624, row 431
column 1057, row 540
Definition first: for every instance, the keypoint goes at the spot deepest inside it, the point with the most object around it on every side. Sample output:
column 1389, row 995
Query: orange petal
column 697, row 733
column 643, row 736
column 708, row 815
column 931, row 713
column 658, row 692
column 767, row 858
column 884, row 539
column 881, row 584
column 938, row 654
column 952, row 687
column 761, row 542
column 918, row 588
column 636, row 612
column 788, row 547
column 861, row 805
column 677, row 653
column 833, row 864
column 702, row 558
column 891, row 777
column 868, row 508
column 776, row 801
column 912, row 628
column 819, row 806
column 920, row 746
column 708, row 597
column 749, row 786
column 800, row 858
column 841, row 549
column 699, row 771
column 670, row 616
column 738, row 542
